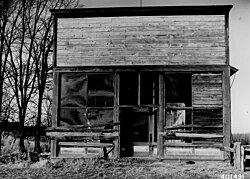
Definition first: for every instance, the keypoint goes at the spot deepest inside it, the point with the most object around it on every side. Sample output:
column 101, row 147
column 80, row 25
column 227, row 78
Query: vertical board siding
column 141, row 40
column 207, row 99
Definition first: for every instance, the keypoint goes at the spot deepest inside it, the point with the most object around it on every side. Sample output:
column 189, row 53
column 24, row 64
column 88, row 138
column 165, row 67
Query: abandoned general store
column 142, row 82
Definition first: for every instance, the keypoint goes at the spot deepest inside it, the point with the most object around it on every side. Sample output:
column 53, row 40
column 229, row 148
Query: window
column 178, row 97
column 86, row 98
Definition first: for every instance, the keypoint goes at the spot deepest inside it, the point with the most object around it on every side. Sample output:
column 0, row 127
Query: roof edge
column 142, row 11
column 233, row 70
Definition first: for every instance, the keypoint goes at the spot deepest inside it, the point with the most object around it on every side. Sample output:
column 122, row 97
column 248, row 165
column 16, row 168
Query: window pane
column 73, row 117
column 99, row 116
column 178, row 89
column 100, row 90
column 128, row 88
column 73, row 90
column 149, row 88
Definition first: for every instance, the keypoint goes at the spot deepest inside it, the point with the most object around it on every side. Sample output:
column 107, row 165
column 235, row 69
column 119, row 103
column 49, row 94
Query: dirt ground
column 121, row 168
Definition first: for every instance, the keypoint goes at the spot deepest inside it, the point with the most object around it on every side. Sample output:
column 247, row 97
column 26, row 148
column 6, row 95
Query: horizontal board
column 71, row 22
column 208, row 116
column 158, row 40
column 207, row 90
column 70, row 60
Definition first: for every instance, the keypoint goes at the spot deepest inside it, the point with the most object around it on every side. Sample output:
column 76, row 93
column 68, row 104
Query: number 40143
column 232, row 176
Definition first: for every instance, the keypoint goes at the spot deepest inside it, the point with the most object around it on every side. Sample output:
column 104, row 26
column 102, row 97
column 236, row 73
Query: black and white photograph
column 133, row 89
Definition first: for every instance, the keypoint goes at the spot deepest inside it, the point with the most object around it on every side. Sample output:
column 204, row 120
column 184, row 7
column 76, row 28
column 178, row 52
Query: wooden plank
column 60, row 135
column 138, row 20
column 71, row 59
column 193, row 157
column 169, row 144
column 55, row 29
column 81, row 127
column 55, row 102
column 227, row 38
column 116, row 151
column 226, row 108
column 227, row 149
column 237, row 156
column 193, row 126
column 195, row 135
column 161, row 118
column 145, row 68
column 65, row 129
column 242, row 159
column 179, row 108
column 83, row 144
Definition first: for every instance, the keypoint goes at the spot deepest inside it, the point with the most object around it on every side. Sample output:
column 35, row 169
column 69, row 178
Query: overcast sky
column 239, row 39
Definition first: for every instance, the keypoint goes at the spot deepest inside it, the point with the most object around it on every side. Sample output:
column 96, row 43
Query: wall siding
column 207, row 99
column 144, row 40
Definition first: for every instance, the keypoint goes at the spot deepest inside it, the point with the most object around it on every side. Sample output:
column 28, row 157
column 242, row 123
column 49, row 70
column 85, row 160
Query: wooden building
column 142, row 82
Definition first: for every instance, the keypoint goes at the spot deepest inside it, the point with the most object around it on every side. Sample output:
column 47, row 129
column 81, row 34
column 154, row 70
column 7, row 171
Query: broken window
column 100, row 90
column 86, row 98
column 178, row 97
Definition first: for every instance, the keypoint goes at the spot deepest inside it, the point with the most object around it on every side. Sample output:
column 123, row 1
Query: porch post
column 116, row 153
column 160, row 125
column 226, row 109
column 54, row 147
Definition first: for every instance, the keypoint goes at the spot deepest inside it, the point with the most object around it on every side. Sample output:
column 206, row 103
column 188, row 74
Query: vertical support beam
column 139, row 89
column 55, row 90
column 160, row 125
column 55, row 107
column 227, row 38
column 237, row 155
column 116, row 152
column 55, row 42
column 242, row 158
column 226, row 109
column 0, row 143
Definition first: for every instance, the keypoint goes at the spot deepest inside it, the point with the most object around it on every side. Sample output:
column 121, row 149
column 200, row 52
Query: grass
column 120, row 168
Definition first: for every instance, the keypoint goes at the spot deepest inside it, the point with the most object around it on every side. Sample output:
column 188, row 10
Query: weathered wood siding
column 141, row 40
column 207, row 99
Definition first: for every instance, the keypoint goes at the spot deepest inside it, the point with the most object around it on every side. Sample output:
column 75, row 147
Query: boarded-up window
column 207, row 101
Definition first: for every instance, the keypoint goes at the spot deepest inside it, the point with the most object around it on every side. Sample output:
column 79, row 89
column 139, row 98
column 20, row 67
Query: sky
column 239, row 46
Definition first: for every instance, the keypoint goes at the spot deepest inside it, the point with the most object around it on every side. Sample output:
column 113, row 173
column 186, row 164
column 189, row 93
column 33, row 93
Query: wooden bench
column 85, row 136
column 181, row 133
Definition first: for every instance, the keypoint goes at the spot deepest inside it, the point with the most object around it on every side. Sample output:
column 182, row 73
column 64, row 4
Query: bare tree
column 26, row 43
column 21, row 73
column 42, row 48
column 9, row 14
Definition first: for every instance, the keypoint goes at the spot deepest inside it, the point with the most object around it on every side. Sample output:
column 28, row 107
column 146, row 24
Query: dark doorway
column 138, row 112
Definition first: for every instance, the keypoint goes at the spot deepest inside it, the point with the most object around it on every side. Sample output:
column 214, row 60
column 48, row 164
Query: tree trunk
column 22, row 136
column 38, row 148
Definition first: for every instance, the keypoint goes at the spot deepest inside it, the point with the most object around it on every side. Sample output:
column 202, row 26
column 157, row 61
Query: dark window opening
column 128, row 88
column 149, row 89
column 86, row 98
column 100, row 90
column 178, row 90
